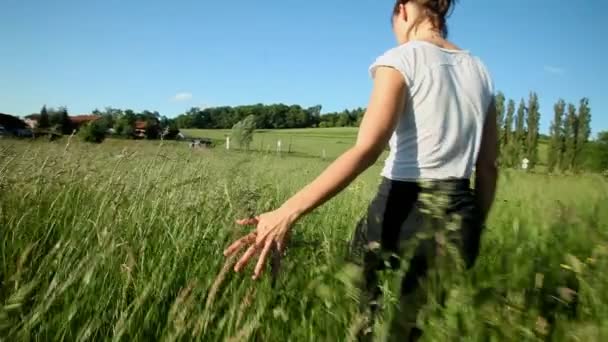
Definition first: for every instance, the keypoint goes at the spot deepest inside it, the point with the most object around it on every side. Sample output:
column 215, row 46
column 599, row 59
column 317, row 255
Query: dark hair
column 436, row 10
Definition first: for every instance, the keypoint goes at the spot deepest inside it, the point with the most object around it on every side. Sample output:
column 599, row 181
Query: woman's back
column 438, row 135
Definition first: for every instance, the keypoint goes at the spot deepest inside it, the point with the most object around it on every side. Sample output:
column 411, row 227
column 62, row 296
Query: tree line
column 518, row 131
column 111, row 121
column 274, row 116
column 124, row 123
column 569, row 146
column 570, row 132
column 55, row 119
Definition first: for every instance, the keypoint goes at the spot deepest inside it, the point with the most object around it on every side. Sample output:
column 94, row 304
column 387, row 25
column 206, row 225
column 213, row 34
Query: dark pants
column 411, row 227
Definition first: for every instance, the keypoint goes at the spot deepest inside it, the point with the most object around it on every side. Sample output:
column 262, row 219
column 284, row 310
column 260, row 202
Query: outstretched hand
column 272, row 231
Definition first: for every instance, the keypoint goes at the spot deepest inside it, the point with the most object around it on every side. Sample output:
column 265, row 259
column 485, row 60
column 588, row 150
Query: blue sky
column 173, row 55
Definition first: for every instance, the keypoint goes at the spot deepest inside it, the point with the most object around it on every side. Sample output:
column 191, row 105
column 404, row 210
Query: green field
column 123, row 241
column 309, row 142
column 300, row 142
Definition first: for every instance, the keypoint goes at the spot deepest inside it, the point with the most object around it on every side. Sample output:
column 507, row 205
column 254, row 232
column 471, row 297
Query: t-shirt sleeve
column 398, row 59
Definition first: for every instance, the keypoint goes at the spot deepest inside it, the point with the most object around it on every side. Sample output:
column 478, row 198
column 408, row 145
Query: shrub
column 171, row 132
column 94, row 132
column 242, row 132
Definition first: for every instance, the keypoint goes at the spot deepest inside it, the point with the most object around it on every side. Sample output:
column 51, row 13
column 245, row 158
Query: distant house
column 13, row 125
column 149, row 128
column 32, row 120
column 140, row 129
column 11, row 122
column 77, row 120
column 83, row 119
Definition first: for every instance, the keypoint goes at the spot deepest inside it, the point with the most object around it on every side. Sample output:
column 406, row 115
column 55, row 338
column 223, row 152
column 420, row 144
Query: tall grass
column 123, row 241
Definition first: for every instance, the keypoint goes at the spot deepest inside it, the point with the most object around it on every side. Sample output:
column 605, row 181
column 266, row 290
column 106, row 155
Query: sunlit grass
column 123, row 241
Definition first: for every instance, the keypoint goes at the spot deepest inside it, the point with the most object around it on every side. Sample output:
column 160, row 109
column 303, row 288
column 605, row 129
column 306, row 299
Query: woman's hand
column 272, row 231
column 272, row 228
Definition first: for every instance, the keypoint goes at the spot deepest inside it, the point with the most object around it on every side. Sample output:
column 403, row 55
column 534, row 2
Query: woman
column 433, row 104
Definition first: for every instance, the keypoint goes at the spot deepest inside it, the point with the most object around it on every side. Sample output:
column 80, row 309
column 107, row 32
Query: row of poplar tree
column 519, row 133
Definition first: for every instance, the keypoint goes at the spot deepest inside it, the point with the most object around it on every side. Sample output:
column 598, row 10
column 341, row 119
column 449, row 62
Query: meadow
column 296, row 142
column 123, row 241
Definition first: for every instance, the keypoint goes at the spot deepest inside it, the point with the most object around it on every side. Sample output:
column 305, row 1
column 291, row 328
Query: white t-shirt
column 438, row 135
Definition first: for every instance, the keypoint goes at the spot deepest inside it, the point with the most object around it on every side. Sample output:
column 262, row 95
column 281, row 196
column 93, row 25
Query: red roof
column 84, row 118
column 141, row 124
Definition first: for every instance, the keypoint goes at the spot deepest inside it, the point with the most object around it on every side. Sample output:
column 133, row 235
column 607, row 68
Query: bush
column 171, row 132
column 94, row 132
column 124, row 129
column 242, row 132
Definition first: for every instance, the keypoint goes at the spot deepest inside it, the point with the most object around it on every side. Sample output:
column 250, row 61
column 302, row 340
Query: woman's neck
column 434, row 37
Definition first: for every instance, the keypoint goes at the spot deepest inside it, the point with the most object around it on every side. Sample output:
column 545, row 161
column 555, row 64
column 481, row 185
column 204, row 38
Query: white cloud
column 182, row 97
column 554, row 69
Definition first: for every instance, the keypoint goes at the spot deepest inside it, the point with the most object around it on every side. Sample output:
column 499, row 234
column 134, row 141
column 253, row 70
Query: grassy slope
column 123, row 240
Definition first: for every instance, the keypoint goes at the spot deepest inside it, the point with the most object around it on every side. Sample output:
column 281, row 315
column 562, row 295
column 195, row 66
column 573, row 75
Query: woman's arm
column 486, row 171
column 386, row 103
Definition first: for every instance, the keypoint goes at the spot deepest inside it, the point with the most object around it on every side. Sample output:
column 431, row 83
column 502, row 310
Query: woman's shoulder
column 404, row 58
column 403, row 49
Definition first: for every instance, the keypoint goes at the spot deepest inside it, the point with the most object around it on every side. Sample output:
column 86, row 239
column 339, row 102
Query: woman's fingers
column 262, row 259
column 262, row 236
column 238, row 244
column 248, row 222
column 245, row 259
column 270, row 236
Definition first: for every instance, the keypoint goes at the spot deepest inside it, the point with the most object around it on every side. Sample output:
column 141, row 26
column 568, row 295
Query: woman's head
column 411, row 15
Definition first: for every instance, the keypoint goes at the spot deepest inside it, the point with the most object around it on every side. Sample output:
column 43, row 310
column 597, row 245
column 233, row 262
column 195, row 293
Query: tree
column 44, row 121
column 124, row 125
column 315, row 114
column 294, row 117
column 499, row 101
column 65, row 122
column 507, row 154
column 171, row 130
column 570, row 138
column 520, row 132
column 124, row 128
column 583, row 128
column 242, row 132
column 54, row 118
column 108, row 119
column 507, row 130
column 343, row 119
column 594, row 154
column 533, row 123
column 94, row 132
column 602, row 148
column 556, row 144
column 153, row 129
